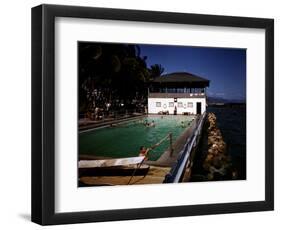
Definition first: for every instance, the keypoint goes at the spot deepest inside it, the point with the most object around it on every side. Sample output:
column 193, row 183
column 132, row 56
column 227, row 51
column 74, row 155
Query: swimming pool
column 125, row 139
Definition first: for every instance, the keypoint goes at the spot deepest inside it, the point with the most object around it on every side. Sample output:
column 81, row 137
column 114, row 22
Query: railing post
column 171, row 144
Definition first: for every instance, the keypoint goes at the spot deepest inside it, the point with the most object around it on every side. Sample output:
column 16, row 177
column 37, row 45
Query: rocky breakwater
column 217, row 162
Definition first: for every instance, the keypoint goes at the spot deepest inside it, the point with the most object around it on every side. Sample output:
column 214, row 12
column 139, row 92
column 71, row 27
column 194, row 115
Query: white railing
column 176, row 173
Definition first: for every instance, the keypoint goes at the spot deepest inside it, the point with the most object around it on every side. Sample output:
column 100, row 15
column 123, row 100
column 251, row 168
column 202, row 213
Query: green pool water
column 125, row 139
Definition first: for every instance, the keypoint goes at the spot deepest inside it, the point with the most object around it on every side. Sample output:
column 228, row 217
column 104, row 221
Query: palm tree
column 156, row 70
column 109, row 71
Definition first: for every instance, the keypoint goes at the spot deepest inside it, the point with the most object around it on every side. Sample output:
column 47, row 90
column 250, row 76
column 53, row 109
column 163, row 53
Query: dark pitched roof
column 182, row 77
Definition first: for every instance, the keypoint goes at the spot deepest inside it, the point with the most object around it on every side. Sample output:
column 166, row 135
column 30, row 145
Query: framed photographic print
column 142, row 114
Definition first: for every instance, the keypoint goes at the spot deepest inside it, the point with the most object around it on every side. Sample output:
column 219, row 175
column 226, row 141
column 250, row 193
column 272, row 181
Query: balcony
column 176, row 95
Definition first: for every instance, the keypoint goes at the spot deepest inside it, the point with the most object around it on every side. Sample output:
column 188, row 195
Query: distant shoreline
column 228, row 104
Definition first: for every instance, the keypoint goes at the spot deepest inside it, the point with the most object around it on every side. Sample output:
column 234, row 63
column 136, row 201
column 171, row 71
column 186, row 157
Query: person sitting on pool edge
column 144, row 152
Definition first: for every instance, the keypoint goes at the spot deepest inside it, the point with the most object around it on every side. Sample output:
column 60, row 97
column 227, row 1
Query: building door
column 198, row 108
column 175, row 110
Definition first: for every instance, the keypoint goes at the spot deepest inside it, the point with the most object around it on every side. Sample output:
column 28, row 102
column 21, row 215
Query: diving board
column 110, row 162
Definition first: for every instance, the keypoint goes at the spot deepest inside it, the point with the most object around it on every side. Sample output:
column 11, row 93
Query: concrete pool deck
column 155, row 175
column 106, row 122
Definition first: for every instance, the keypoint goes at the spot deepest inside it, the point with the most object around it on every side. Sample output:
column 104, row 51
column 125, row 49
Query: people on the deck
column 88, row 115
column 96, row 113
column 145, row 110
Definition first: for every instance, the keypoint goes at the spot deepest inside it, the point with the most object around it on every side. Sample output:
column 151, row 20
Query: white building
column 178, row 93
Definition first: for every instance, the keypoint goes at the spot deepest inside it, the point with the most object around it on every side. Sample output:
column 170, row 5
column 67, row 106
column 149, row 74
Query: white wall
column 153, row 109
column 15, row 117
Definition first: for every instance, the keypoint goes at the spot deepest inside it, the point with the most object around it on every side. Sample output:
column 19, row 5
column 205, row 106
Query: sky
column 224, row 67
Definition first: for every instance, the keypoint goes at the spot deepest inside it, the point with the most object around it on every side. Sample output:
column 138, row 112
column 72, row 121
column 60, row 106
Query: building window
column 171, row 104
column 180, row 105
column 158, row 104
column 190, row 105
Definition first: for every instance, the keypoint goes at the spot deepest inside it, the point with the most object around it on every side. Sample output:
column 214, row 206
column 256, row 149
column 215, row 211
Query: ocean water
column 232, row 123
column 231, row 120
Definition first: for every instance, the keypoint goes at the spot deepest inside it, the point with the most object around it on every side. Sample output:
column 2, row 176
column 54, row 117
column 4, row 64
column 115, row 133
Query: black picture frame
column 43, row 110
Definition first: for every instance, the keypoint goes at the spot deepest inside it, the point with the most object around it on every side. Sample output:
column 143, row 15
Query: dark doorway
column 198, row 108
column 175, row 110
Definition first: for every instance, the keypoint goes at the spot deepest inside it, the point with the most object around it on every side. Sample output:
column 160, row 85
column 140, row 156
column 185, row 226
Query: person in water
column 182, row 124
column 147, row 124
column 144, row 152
column 152, row 124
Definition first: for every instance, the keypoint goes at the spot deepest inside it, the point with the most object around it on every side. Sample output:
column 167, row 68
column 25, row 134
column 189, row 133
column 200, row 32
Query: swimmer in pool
column 140, row 121
column 182, row 124
column 144, row 122
column 147, row 124
column 152, row 124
